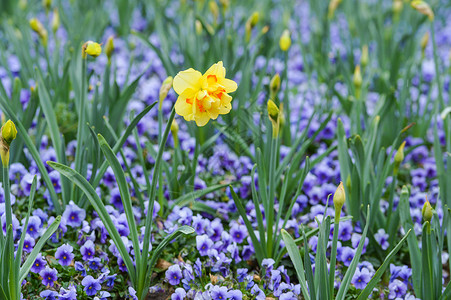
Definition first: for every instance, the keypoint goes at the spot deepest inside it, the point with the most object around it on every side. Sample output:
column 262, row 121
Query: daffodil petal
column 201, row 119
column 217, row 69
column 229, row 85
column 182, row 107
column 188, row 79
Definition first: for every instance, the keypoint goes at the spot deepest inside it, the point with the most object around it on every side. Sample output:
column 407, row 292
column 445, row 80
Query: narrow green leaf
column 377, row 276
column 37, row 249
column 98, row 205
column 296, row 258
column 125, row 194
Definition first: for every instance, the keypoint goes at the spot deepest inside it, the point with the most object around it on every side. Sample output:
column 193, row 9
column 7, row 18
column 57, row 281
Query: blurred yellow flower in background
column 203, row 97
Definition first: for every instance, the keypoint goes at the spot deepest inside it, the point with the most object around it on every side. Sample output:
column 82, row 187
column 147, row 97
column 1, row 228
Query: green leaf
column 352, row 267
column 186, row 230
column 52, row 125
column 296, row 258
column 257, row 244
column 121, row 142
column 125, row 195
column 190, row 197
column 98, row 205
column 34, row 153
column 37, row 249
column 377, row 276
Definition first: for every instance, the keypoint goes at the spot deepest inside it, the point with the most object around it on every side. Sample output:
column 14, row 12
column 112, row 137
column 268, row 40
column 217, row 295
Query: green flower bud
column 55, row 20
column 399, row 156
column 427, row 211
column 198, row 26
column 364, row 56
column 109, row 47
column 274, row 86
column 9, row 132
column 37, row 27
column 174, row 131
column 423, row 8
column 273, row 113
column 164, row 89
column 339, row 197
column 424, row 42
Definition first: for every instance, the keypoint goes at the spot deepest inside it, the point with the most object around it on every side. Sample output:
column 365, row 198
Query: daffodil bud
column 9, row 133
column 109, row 47
column 357, row 81
column 273, row 113
column 164, row 89
column 55, row 20
column 214, row 9
column 174, row 131
column 285, row 40
column 225, row 4
column 281, row 117
column 198, row 26
column 423, row 8
column 399, row 157
column 333, row 4
column 339, row 197
column 47, row 4
column 253, row 19
column 424, row 42
column 427, row 211
column 23, row 4
column 91, row 48
column 250, row 24
column 265, row 29
column 364, row 56
column 37, row 27
column 397, row 8
column 274, row 86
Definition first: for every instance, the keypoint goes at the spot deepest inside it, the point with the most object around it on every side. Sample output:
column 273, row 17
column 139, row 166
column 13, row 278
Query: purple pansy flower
column 92, row 286
column 64, row 254
column 174, row 274
column 49, row 276
column 74, row 215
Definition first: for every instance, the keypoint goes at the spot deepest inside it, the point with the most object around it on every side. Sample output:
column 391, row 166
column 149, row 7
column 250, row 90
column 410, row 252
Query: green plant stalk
column 428, row 291
column 143, row 163
column 437, row 69
column 81, row 123
column 7, row 192
column 286, row 105
column 333, row 253
column 160, row 178
column 272, row 183
column 125, row 196
column 141, row 280
column 390, row 203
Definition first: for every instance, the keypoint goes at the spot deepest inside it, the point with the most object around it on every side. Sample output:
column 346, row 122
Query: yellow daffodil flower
column 203, row 97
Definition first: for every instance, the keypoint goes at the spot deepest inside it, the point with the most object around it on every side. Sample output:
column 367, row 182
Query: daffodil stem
column 272, row 184
column 142, row 281
column 286, row 103
column 437, row 69
column 81, row 123
column 6, row 190
column 333, row 253
column 160, row 178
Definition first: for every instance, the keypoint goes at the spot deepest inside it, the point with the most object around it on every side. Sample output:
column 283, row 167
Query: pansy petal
column 188, row 79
